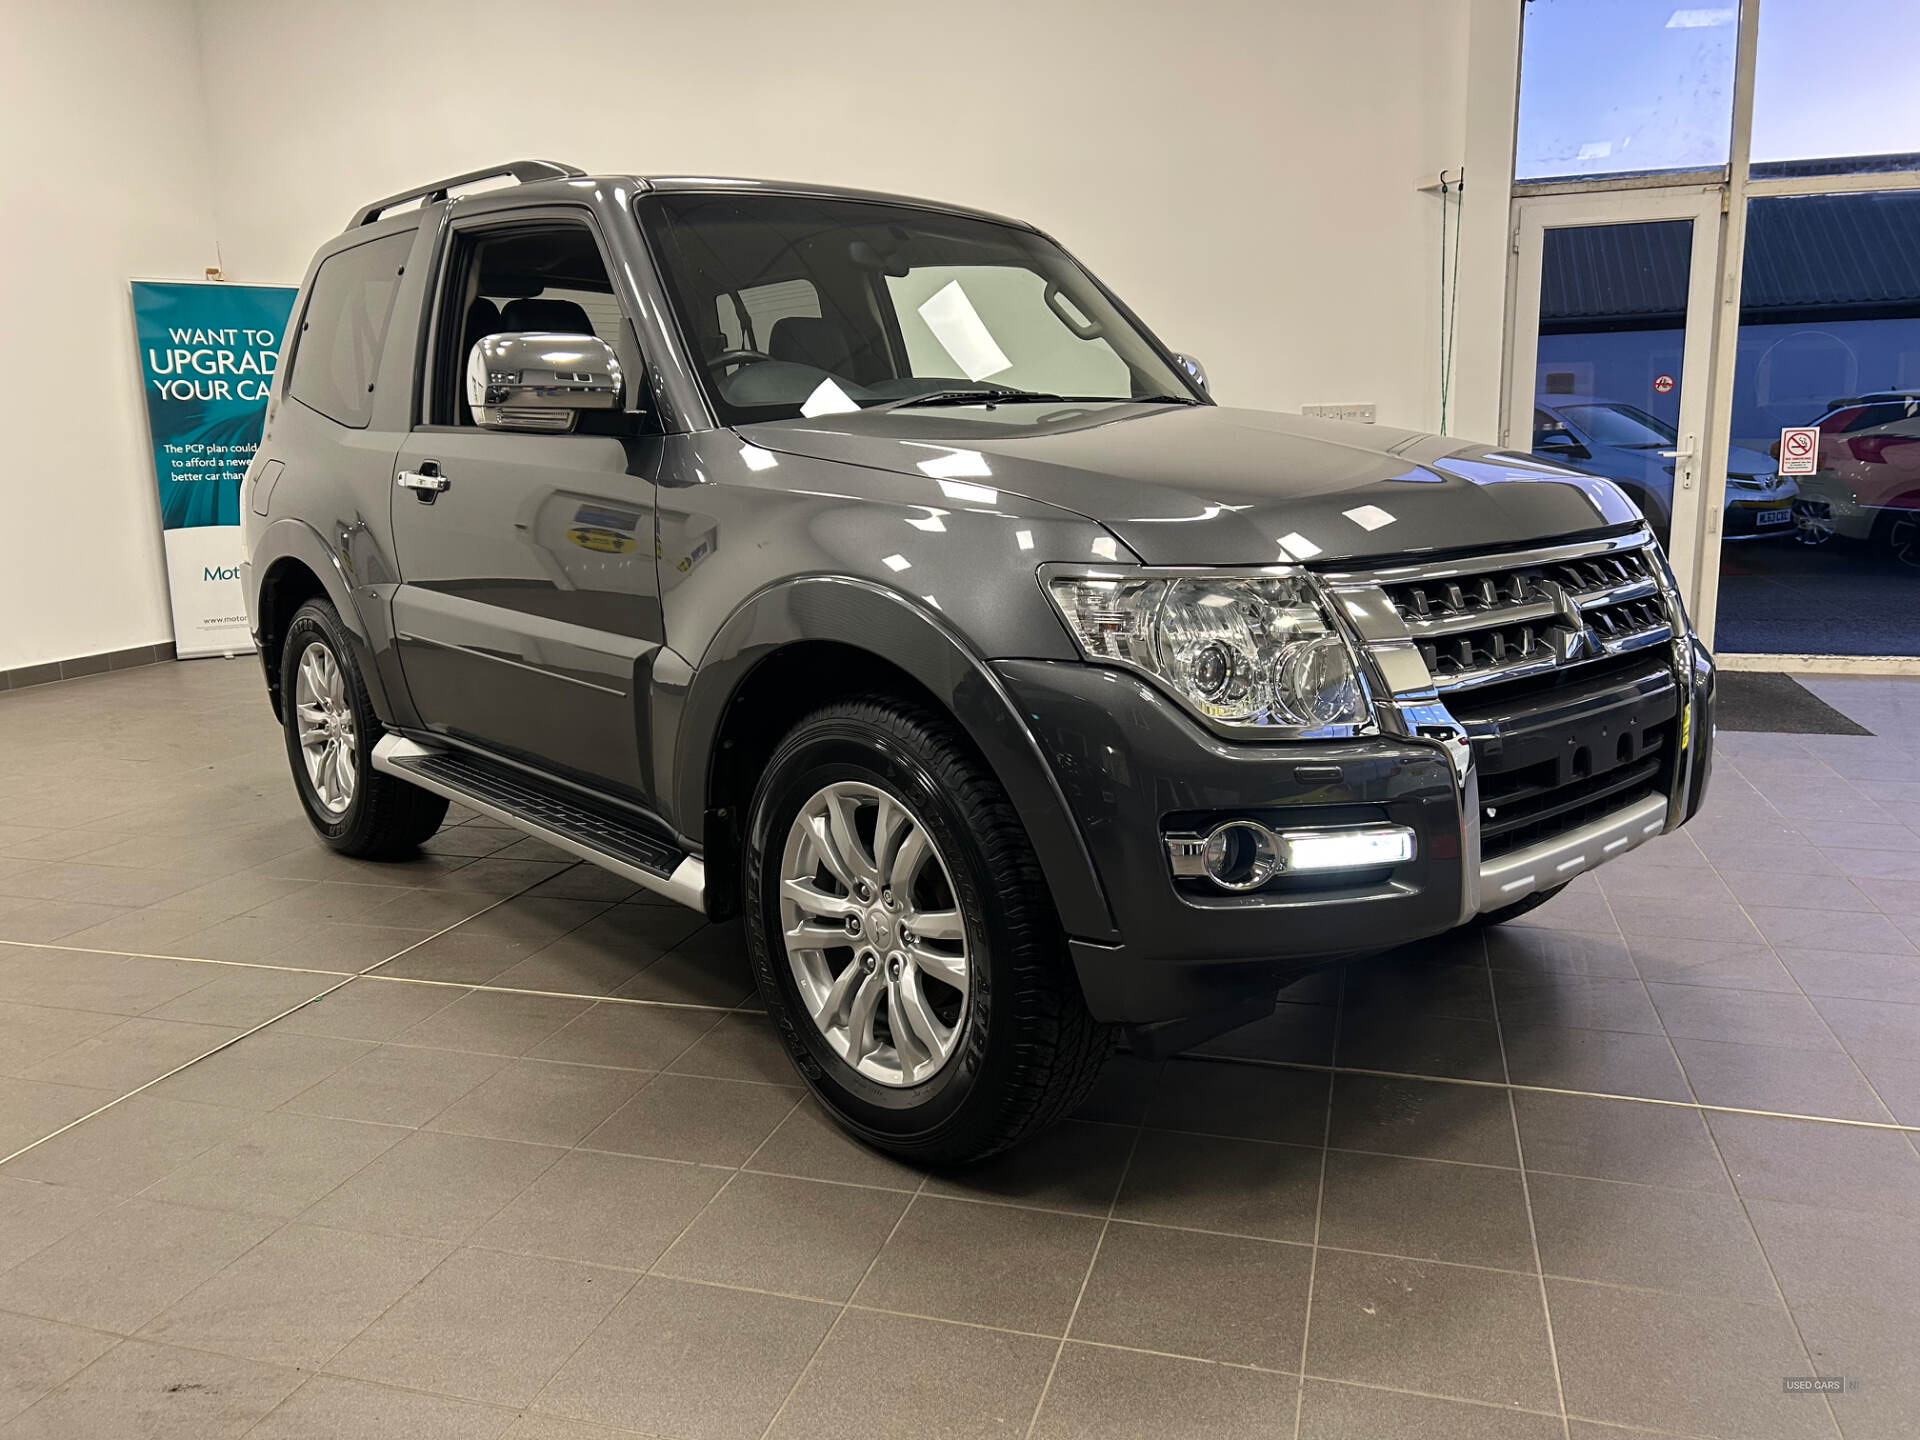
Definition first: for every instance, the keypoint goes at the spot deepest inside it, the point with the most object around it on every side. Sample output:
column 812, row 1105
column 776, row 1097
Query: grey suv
column 863, row 567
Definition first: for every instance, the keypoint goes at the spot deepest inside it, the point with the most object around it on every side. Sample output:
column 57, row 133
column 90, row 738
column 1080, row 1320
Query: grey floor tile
column 689, row 1117
column 277, row 1166
column 1896, row 1080
column 708, row 968
column 31, row 1110
column 1561, row 952
column 607, row 952
column 244, row 996
column 298, row 1296
column 984, row 1264
column 1078, row 1169
column 1797, row 892
column 370, row 1009
column 1213, row 1297
column 810, row 1145
column 1765, row 1077
column 1842, row 1259
column 1415, row 1045
column 1427, row 1209
column 1843, row 974
column 797, row 1237
column 552, row 1427
column 1241, row 1187
column 1842, row 1166
column 1697, row 1242
column 1427, row 1118
column 120, row 1269
column 127, row 1147
column 1746, row 1017
column 34, row 1215
column 951, row 1380
column 1584, row 911
column 641, row 1037
column 696, row 1361
column 543, row 1102
column 131, row 1054
column 1642, row 916
column 1726, row 964
column 1445, row 1330
column 620, row 1210
column 396, row 1085
column 436, row 1187
column 32, row 1033
column 1861, row 934
column 1873, row 1027
column 1585, row 1002
column 1690, row 1364
column 494, row 1023
column 263, row 1070
column 84, row 980
column 1859, row 1345
column 1606, row 1062
column 1124, row 1089
column 1331, row 1411
column 740, row 1047
column 329, row 1408
column 1618, row 1140
column 1445, row 978
column 486, row 1326
column 1116, row 1395
column 43, row 922
column 1296, row 1033
column 36, row 1355
column 156, row 1392
column 1252, row 1102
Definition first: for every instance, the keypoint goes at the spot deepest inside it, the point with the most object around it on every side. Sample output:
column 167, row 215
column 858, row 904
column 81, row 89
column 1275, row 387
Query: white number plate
column 1773, row 517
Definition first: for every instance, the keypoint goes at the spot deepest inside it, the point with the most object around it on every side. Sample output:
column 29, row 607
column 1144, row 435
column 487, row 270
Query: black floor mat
column 1777, row 704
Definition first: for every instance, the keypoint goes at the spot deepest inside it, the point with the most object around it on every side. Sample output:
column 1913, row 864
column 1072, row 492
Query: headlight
column 1253, row 652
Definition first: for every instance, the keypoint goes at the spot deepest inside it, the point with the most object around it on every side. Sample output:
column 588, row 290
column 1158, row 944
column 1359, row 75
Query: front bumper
column 1135, row 769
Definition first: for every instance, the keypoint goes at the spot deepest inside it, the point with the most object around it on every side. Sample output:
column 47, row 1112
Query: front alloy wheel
column 874, row 934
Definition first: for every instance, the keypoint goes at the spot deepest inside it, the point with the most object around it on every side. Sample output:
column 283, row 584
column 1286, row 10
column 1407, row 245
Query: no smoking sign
column 1799, row 450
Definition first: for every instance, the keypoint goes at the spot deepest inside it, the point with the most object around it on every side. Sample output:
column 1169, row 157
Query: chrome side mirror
column 1196, row 372
column 541, row 381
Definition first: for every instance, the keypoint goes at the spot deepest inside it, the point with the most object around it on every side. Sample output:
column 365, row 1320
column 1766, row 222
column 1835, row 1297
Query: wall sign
column 1799, row 450
column 207, row 355
column 1663, row 384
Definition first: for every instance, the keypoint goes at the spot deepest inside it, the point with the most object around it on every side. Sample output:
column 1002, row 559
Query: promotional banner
column 207, row 352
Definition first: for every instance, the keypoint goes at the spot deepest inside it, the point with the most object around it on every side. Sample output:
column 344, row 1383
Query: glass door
column 1611, row 348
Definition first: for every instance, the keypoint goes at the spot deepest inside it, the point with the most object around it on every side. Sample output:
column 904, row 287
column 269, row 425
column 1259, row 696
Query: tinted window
column 345, row 326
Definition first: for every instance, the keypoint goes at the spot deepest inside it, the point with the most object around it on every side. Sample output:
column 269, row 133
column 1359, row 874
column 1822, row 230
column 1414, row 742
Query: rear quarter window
column 344, row 329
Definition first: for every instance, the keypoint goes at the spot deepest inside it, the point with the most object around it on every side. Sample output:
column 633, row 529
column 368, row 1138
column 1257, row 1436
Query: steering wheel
column 737, row 357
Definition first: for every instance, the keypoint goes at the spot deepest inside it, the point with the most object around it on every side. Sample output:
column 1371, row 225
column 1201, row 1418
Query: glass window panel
column 1613, row 315
column 1621, row 87
column 1833, row 79
column 1829, row 337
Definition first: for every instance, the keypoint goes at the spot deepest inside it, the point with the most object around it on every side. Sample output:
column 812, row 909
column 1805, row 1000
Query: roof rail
column 523, row 171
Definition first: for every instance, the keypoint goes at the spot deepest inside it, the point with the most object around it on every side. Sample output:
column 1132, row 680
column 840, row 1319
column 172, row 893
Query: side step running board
column 611, row 843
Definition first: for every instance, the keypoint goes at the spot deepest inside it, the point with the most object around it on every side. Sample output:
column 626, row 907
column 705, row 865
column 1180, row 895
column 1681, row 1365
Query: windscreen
column 803, row 306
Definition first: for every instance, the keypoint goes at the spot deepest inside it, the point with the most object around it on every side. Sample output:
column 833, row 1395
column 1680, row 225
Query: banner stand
column 207, row 356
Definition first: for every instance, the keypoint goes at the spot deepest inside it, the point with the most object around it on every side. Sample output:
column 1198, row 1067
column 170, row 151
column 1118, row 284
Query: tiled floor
column 488, row 1145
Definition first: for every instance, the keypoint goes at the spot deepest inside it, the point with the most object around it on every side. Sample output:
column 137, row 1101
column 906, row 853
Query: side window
column 747, row 317
column 525, row 277
column 344, row 328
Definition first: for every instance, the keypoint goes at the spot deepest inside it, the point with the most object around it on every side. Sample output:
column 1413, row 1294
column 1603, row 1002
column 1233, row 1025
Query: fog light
column 1240, row 855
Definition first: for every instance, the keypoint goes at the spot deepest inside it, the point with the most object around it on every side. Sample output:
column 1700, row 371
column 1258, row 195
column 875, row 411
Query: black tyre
column 1896, row 539
column 904, row 940
column 1515, row 910
column 330, row 729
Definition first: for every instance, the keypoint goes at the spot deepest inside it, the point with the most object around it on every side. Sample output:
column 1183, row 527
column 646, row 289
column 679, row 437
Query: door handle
column 426, row 482
column 1684, row 455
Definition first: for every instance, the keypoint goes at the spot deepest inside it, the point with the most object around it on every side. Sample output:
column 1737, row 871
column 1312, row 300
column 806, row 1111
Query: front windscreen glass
column 1627, row 426
column 806, row 305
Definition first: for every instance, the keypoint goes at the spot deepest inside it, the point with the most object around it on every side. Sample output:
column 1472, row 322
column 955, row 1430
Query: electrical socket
column 1362, row 413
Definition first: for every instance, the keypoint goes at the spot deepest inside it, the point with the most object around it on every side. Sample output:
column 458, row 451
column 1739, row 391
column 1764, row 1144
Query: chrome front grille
column 1484, row 622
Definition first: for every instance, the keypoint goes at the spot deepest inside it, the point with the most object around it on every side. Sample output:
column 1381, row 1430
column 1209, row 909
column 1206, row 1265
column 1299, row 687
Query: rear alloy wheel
column 1900, row 539
column 904, row 941
column 330, row 728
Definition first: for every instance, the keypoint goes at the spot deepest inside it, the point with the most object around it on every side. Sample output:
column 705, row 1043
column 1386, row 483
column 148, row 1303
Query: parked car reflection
column 1635, row 449
column 1867, row 488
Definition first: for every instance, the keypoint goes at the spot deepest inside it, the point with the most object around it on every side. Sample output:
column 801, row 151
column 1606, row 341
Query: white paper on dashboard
column 959, row 328
column 827, row 399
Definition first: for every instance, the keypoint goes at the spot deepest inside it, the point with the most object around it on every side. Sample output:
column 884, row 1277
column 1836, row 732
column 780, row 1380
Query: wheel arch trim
column 864, row 616
column 294, row 541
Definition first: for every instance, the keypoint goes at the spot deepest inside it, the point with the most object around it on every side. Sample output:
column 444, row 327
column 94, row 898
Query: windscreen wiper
column 996, row 397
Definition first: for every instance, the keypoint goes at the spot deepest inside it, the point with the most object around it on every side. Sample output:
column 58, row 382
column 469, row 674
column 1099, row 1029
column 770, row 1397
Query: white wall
column 105, row 179
column 1242, row 171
